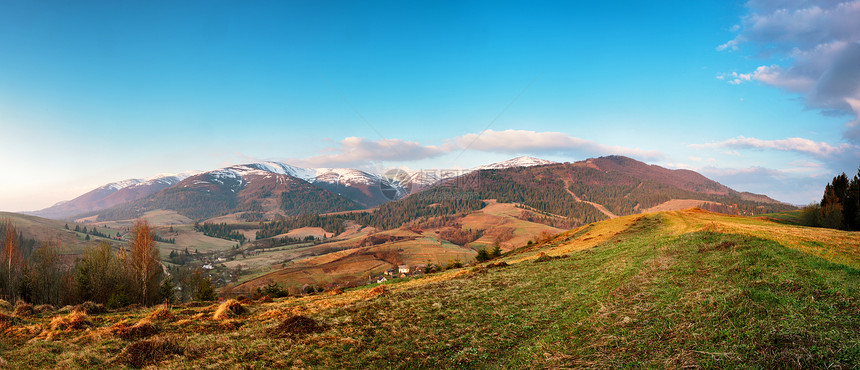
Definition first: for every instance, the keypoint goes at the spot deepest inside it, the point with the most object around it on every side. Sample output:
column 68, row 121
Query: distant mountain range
column 231, row 189
column 261, row 191
column 110, row 195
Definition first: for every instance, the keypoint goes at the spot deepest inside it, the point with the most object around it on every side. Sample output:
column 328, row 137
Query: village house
column 403, row 269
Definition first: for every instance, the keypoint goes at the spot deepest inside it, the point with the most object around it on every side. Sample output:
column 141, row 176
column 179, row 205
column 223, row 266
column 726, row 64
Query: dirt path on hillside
column 599, row 207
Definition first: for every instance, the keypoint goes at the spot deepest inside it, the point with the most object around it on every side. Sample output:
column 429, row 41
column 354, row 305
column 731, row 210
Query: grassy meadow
column 670, row 289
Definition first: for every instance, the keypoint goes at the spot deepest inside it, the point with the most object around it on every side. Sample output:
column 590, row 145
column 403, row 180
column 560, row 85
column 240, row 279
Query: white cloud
column 820, row 42
column 835, row 158
column 730, row 45
column 356, row 151
column 525, row 141
column 794, row 144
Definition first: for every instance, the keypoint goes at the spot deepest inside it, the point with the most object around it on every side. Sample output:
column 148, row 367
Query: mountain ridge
column 342, row 189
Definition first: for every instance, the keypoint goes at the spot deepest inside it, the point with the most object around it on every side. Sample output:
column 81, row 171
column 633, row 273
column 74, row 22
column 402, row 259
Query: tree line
column 220, row 230
column 839, row 207
column 113, row 276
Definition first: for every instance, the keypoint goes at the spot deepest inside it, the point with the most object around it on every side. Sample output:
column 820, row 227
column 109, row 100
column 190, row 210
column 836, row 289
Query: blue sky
column 762, row 95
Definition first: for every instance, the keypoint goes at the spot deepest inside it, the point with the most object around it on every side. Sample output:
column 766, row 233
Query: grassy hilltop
column 668, row 289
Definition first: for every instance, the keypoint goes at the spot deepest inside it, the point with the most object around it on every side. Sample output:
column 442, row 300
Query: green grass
column 641, row 299
column 712, row 300
column 788, row 217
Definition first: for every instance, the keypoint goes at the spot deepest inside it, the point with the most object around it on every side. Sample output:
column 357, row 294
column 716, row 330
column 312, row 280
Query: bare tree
column 142, row 262
column 12, row 260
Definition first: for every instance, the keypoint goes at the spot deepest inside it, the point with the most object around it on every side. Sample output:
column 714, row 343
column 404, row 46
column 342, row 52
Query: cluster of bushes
column 485, row 255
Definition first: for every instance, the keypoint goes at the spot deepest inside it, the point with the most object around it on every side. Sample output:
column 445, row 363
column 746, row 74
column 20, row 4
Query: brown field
column 677, row 205
column 158, row 217
column 340, row 260
column 316, row 232
column 503, row 216
column 186, row 237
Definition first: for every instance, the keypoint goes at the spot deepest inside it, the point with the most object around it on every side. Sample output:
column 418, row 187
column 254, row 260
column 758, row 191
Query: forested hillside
column 629, row 187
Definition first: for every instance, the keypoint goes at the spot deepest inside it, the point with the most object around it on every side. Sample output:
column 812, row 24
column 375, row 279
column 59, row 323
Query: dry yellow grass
column 228, row 310
column 73, row 321
column 597, row 233
column 162, row 312
column 141, row 329
column 376, row 291
column 677, row 205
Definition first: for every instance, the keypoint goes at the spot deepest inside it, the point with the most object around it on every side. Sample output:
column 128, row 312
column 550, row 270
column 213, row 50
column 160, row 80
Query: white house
column 403, row 269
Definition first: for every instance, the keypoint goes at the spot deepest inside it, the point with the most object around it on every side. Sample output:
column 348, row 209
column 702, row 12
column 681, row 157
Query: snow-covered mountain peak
column 344, row 176
column 118, row 185
column 165, row 178
column 524, row 161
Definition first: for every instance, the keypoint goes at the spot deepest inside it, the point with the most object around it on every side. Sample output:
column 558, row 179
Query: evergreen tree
column 205, row 291
column 483, row 255
column 851, row 207
column 840, row 206
column 831, row 209
column 167, row 290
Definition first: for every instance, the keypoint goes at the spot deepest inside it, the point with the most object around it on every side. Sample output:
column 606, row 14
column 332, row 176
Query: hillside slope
column 658, row 290
column 44, row 230
column 110, row 195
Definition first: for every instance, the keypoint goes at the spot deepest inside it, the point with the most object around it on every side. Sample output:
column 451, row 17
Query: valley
column 329, row 228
